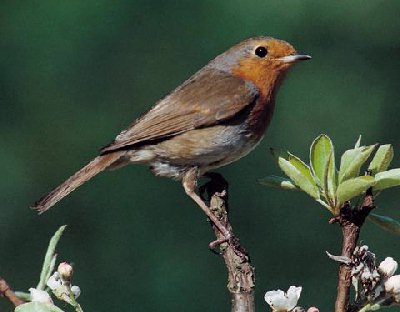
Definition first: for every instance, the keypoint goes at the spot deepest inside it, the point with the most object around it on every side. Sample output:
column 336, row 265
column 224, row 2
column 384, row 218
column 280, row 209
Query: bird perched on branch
column 214, row 118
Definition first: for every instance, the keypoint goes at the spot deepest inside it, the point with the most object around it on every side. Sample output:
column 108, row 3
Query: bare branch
column 6, row 291
column 350, row 220
column 240, row 272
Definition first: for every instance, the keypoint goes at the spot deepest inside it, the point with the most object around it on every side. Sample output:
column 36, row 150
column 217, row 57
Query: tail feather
column 83, row 175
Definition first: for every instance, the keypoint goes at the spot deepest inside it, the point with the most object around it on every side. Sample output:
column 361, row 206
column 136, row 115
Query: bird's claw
column 233, row 242
column 216, row 243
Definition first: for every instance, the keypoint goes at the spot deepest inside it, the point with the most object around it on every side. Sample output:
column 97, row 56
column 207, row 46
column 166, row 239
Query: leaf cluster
column 332, row 187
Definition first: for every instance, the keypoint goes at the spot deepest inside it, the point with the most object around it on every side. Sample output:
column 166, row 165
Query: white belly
column 206, row 148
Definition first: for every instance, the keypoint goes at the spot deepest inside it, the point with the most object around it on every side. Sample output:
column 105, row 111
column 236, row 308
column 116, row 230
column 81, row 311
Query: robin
column 214, row 118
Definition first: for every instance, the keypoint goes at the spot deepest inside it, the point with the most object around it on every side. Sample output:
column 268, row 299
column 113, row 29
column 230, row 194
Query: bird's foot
column 233, row 243
column 216, row 243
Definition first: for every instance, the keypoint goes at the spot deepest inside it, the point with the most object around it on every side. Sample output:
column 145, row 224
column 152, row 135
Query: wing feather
column 206, row 99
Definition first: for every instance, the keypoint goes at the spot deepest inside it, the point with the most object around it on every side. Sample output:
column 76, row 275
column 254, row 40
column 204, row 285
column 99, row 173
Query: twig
column 350, row 220
column 240, row 272
column 6, row 291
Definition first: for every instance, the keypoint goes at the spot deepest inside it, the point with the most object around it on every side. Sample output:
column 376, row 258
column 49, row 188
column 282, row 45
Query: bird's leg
column 189, row 183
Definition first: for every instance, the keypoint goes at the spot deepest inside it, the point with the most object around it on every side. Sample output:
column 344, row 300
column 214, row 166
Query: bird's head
column 262, row 60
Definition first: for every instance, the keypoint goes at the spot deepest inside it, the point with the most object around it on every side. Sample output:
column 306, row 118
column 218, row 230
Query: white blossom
column 392, row 285
column 364, row 248
column 278, row 300
column 54, row 281
column 76, row 290
column 40, row 296
column 388, row 266
column 366, row 275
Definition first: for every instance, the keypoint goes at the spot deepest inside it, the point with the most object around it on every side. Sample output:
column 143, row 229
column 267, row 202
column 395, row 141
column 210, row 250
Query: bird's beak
column 294, row 58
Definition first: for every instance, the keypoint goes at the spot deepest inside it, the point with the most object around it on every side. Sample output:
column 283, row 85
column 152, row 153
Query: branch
column 240, row 272
column 350, row 220
column 6, row 291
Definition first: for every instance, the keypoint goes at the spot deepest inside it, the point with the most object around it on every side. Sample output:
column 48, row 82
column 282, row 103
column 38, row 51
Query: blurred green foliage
column 74, row 73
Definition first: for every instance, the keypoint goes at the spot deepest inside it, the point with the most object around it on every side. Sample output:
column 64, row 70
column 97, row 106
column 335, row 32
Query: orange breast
column 267, row 80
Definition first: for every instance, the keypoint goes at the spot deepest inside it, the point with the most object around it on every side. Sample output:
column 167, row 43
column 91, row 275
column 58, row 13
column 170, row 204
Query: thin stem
column 350, row 233
column 23, row 295
column 240, row 272
column 6, row 291
column 73, row 301
column 78, row 308
column 350, row 220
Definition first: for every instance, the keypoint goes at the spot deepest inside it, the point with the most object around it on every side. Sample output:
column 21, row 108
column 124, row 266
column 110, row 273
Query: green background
column 74, row 73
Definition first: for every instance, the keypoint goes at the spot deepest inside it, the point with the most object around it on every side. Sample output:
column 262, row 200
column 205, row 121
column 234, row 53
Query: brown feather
column 86, row 173
column 206, row 99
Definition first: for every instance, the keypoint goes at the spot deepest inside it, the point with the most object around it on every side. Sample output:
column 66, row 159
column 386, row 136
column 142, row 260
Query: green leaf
column 49, row 259
column 373, row 306
column 386, row 223
column 302, row 167
column 352, row 188
column 330, row 179
column 37, row 307
column 297, row 171
column 387, row 179
column 352, row 160
column 278, row 182
column 300, row 174
column 358, row 143
column 382, row 159
column 320, row 152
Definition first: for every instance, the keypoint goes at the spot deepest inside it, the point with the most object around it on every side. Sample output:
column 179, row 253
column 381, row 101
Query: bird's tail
column 83, row 175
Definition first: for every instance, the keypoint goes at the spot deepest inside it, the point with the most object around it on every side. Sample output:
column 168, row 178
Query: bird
column 214, row 118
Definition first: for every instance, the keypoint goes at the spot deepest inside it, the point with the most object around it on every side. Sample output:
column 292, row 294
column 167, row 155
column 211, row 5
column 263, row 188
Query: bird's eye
column 261, row 51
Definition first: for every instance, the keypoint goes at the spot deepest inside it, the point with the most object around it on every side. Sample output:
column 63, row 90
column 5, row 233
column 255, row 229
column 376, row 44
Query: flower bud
column 76, row 290
column 40, row 296
column 65, row 270
column 388, row 266
column 392, row 286
column 313, row 309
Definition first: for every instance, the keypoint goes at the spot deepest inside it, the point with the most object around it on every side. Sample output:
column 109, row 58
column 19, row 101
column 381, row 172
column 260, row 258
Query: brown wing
column 207, row 98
